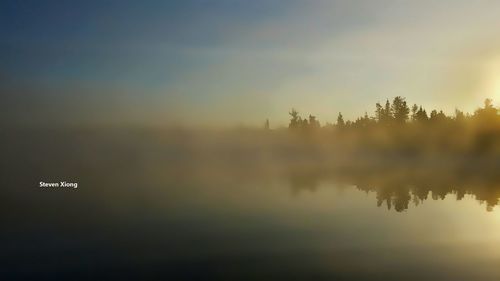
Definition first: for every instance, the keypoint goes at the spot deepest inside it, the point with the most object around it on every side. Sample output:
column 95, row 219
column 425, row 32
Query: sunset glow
column 266, row 140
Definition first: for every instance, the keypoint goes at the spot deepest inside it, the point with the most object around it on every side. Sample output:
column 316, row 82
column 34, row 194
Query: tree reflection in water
column 399, row 188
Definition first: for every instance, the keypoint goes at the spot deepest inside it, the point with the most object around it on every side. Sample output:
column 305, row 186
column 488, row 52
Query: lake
column 141, row 211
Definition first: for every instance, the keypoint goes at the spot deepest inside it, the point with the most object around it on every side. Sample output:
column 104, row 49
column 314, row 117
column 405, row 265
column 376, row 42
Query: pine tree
column 296, row 120
column 400, row 109
column 340, row 121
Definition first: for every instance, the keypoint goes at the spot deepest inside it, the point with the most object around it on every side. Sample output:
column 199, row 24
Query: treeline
column 399, row 113
column 398, row 130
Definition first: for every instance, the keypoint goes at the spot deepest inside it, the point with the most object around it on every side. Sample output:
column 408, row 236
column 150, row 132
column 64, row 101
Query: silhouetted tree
column 363, row 122
column 313, row 123
column 421, row 115
column 387, row 112
column 433, row 115
column 459, row 115
column 304, row 124
column 383, row 114
column 379, row 112
column 488, row 113
column 437, row 117
column 295, row 121
column 414, row 110
column 340, row 121
column 400, row 110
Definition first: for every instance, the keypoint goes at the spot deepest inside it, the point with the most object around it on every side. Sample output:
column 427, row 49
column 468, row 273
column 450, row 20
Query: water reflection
column 154, row 208
column 398, row 188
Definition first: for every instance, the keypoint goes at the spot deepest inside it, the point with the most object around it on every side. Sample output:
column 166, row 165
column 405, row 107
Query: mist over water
column 249, row 140
column 246, row 204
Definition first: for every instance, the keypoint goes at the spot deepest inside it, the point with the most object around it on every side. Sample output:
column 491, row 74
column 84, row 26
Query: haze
column 227, row 63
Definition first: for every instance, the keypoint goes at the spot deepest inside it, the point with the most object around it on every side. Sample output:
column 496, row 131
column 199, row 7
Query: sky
column 234, row 62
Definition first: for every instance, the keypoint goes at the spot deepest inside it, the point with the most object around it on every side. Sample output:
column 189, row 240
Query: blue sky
column 239, row 62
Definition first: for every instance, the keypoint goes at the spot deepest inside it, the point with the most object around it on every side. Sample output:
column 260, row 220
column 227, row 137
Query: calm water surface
column 139, row 223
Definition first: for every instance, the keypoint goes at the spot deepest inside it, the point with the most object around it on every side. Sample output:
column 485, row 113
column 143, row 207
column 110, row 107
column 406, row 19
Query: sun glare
column 491, row 86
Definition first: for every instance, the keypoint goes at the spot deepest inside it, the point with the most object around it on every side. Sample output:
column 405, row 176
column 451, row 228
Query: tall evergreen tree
column 414, row 110
column 295, row 121
column 340, row 121
column 421, row 115
column 400, row 109
column 379, row 112
column 387, row 112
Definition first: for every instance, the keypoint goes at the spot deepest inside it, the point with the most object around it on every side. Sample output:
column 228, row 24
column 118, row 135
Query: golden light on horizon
column 491, row 81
